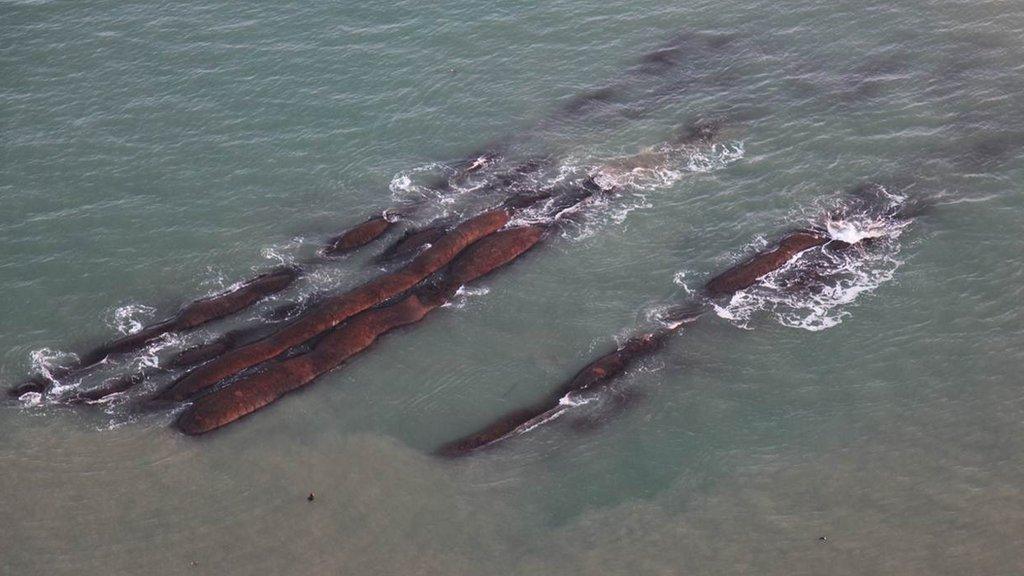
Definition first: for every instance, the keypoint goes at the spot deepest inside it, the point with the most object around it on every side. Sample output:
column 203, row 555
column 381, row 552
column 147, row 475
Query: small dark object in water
column 822, row 539
column 310, row 497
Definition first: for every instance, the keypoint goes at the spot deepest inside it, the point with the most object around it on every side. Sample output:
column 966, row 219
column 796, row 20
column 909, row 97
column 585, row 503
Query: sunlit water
column 868, row 422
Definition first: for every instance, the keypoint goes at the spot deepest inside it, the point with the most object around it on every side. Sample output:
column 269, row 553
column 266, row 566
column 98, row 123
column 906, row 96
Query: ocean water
column 152, row 153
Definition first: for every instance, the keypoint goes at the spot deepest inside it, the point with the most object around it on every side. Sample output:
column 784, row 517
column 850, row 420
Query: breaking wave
column 633, row 178
column 430, row 191
column 665, row 166
column 284, row 254
column 463, row 296
column 565, row 403
column 433, row 190
column 815, row 289
column 45, row 361
column 128, row 319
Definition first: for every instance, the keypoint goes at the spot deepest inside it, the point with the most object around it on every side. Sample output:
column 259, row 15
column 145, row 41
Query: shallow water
column 153, row 153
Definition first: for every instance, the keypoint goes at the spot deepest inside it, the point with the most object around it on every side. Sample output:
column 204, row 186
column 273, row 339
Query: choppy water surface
column 153, row 153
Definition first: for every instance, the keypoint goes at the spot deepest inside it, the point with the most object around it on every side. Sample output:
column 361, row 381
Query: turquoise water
column 153, row 153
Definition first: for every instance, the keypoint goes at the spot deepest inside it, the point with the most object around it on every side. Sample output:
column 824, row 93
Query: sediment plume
column 245, row 396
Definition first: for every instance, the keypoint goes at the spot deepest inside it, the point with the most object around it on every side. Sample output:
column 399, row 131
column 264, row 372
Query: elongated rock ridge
column 336, row 309
column 108, row 388
column 591, row 378
column 358, row 333
column 359, row 236
column 746, row 274
column 412, row 242
column 209, row 350
column 198, row 313
column 605, row 369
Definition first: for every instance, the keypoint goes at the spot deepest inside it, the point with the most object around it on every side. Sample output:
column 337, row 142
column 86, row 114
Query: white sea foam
column 401, row 183
column 661, row 168
column 539, row 421
column 470, row 291
column 853, row 232
column 719, row 156
column 816, row 288
column 148, row 357
column 565, row 403
column 634, row 178
column 273, row 253
column 665, row 166
column 464, row 294
column 602, row 212
column 430, row 202
column 573, row 400
column 128, row 319
column 651, row 366
column 214, row 280
column 479, row 162
column 44, row 360
column 31, row 399
column 283, row 254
